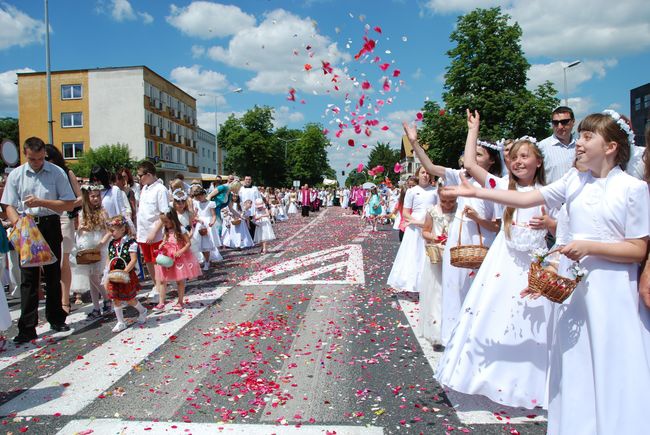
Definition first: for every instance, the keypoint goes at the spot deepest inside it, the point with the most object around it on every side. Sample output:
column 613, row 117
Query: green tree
column 355, row 178
column 488, row 72
column 383, row 155
column 307, row 157
column 111, row 157
column 9, row 130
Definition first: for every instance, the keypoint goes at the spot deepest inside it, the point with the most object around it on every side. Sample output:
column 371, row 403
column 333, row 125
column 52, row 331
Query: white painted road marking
column 111, row 426
column 471, row 409
column 353, row 265
column 316, row 221
column 75, row 386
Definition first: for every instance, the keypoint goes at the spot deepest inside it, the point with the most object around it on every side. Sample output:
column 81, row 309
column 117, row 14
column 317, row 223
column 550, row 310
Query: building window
column 150, row 151
column 646, row 101
column 637, row 103
column 73, row 150
column 71, row 92
column 73, row 119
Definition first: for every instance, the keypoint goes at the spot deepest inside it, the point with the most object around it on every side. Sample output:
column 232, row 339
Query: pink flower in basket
column 441, row 239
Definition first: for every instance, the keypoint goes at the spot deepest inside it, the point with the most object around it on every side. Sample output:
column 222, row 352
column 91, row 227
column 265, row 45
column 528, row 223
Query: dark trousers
column 31, row 280
column 305, row 210
column 401, row 235
column 251, row 228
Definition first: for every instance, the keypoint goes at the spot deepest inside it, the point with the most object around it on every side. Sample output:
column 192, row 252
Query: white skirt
column 264, row 231
column 499, row 348
column 292, row 208
column 237, row 236
column 431, row 302
column 407, row 267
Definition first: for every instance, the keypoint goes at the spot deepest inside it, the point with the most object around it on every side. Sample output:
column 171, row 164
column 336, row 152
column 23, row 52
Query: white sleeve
column 637, row 217
column 452, row 177
column 555, row 194
column 409, row 198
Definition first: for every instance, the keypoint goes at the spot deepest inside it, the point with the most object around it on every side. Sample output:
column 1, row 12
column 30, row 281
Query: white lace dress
column 499, row 347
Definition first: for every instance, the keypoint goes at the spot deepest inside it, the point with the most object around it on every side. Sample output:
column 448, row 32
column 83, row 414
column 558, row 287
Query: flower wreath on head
column 179, row 195
column 92, row 187
column 528, row 138
column 494, row 146
column 622, row 125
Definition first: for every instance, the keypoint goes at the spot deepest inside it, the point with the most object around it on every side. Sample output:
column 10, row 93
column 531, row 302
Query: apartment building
column 133, row 106
column 207, row 152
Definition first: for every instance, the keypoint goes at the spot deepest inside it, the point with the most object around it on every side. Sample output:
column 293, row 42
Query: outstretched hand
column 473, row 120
column 411, row 132
column 465, row 188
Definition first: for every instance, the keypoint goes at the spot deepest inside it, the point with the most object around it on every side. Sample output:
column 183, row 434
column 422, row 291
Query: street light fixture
column 216, row 124
column 566, row 94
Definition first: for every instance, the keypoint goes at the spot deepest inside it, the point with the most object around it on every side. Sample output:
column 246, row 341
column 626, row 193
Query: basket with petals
column 118, row 276
column 434, row 250
column 468, row 256
column 543, row 278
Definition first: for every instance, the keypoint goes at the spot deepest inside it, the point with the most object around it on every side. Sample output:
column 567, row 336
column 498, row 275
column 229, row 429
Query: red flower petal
column 378, row 29
column 384, row 66
column 351, row 142
column 365, row 85
column 307, row 67
column 396, row 73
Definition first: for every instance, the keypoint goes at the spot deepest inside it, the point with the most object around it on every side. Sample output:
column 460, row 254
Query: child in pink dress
column 176, row 244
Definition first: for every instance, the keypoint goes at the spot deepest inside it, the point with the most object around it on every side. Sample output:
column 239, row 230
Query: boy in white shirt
column 153, row 203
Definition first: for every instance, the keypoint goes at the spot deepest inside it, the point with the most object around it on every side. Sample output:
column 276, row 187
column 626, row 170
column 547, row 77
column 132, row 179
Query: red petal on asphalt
column 351, row 142
column 80, row 357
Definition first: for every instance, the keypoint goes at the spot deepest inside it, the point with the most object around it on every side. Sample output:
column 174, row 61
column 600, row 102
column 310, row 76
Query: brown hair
column 178, row 228
column 563, row 109
column 607, row 127
column 34, row 144
column 147, row 167
column 540, row 178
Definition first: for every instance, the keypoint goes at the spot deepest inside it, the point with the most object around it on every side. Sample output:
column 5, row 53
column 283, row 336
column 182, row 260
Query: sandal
column 3, row 342
column 94, row 314
column 159, row 308
column 67, row 308
column 178, row 307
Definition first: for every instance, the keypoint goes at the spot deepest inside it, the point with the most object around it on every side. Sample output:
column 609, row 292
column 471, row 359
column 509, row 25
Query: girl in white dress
column 240, row 237
column 293, row 197
column 280, row 214
column 408, row 264
column 436, row 224
column 264, row 231
column 499, row 348
column 599, row 374
column 472, row 213
column 206, row 235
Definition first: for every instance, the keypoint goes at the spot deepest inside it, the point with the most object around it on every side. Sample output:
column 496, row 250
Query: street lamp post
column 286, row 142
column 216, row 125
column 566, row 93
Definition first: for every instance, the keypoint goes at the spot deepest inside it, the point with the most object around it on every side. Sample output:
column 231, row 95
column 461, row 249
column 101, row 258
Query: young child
column 91, row 233
column 176, row 244
column 185, row 212
column 206, row 236
column 496, row 328
column 264, row 231
column 278, row 211
column 599, row 372
column 472, row 213
column 123, row 247
column 238, row 235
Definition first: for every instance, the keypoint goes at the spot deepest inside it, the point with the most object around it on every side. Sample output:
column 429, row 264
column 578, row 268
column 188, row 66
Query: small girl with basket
column 175, row 261
column 121, row 280
column 88, row 256
column 206, row 236
column 264, row 230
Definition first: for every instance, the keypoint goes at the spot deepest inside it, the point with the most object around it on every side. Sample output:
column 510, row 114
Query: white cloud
column 582, row 106
column 198, row 51
column 554, row 72
column 9, row 91
column 206, row 120
column 570, row 28
column 418, row 74
column 283, row 116
column 195, row 81
column 208, row 20
column 121, row 10
column 277, row 51
column 17, row 28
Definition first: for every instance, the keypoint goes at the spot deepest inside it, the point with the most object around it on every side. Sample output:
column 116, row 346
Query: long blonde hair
column 539, row 178
column 94, row 218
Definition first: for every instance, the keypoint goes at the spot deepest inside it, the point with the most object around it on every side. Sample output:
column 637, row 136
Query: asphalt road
column 306, row 339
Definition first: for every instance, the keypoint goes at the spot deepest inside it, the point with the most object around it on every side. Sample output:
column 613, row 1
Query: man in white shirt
column 559, row 149
column 249, row 192
column 153, row 203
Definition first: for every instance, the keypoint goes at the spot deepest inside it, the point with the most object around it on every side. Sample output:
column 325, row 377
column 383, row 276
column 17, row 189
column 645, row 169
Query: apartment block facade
column 133, row 106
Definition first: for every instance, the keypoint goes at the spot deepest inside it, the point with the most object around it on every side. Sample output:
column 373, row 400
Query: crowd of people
column 577, row 204
column 110, row 232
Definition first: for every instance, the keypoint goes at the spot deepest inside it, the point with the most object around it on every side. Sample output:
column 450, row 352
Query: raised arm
column 510, row 198
column 473, row 123
column 429, row 166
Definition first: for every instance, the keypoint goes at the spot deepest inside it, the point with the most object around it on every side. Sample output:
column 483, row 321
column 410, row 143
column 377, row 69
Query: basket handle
column 460, row 231
column 111, row 264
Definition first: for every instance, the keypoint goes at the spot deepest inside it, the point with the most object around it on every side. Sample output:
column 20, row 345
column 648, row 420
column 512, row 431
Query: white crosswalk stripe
column 75, row 386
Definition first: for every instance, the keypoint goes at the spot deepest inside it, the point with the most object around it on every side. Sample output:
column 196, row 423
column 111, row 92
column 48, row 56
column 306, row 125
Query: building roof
column 110, row 68
column 407, row 148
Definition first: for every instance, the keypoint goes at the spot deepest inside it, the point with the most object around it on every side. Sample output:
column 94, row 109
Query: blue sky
column 263, row 46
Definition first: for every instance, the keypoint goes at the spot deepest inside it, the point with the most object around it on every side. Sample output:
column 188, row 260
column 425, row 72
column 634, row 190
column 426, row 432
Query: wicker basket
column 548, row 283
column 118, row 276
column 434, row 252
column 203, row 231
column 468, row 256
column 88, row 256
column 236, row 221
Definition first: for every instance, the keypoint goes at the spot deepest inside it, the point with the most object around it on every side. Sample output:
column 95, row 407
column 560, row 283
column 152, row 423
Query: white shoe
column 153, row 296
column 119, row 327
column 142, row 317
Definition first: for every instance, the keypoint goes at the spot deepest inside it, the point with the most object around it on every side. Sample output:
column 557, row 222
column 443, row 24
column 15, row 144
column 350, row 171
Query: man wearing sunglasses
column 560, row 148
